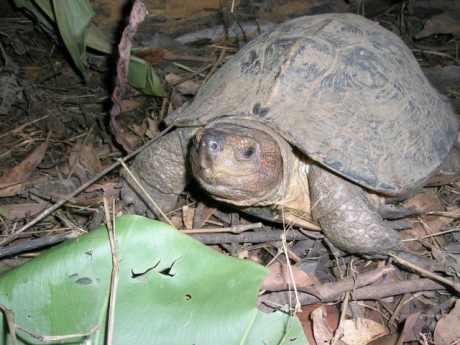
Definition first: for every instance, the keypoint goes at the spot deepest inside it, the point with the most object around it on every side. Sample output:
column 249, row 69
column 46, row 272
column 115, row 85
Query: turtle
column 326, row 121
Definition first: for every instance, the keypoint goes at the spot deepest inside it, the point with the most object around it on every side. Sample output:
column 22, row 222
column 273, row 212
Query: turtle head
column 236, row 163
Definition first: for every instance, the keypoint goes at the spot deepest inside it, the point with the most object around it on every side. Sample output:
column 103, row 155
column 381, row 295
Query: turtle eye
column 249, row 152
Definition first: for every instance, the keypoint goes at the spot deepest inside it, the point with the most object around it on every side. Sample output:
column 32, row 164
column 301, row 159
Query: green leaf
column 73, row 18
column 41, row 9
column 143, row 77
column 172, row 290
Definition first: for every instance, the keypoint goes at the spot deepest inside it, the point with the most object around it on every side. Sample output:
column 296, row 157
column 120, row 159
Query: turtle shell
column 345, row 91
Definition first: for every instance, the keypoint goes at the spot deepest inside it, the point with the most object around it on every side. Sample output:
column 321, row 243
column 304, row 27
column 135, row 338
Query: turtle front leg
column 346, row 216
column 161, row 169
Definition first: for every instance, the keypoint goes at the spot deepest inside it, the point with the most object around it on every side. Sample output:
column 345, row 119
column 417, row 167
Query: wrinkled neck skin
column 291, row 199
column 294, row 198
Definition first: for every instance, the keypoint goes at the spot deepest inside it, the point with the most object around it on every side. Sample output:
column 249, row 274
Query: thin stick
column 23, row 126
column 61, row 202
column 152, row 203
column 215, row 65
column 188, row 69
column 431, row 235
column 298, row 307
column 235, row 229
column 59, row 338
column 110, row 221
column 433, row 52
column 425, row 272
column 194, row 74
column 11, row 324
column 343, row 312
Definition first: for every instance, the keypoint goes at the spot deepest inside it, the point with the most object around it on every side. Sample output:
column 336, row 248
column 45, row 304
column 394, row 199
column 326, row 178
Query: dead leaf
column 413, row 326
column 447, row 329
column 21, row 211
column 13, row 182
column 187, row 216
column 153, row 128
column 186, row 87
column 156, row 56
column 139, row 130
column 279, row 277
column 426, row 224
column 84, row 161
column 425, row 202
column 202, row 215
column 322, row 331
column 444, row 23
column 361, row 331
column 332, row 319
column 110, row 189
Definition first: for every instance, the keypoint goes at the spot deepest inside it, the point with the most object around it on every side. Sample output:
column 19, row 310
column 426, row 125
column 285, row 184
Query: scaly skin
column 161, row 169
column 347, row 217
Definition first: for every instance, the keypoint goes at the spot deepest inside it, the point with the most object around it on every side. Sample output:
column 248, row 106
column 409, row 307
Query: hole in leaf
column 84, row 281
column 188, row 297
column 167, row 271
column 135, row 275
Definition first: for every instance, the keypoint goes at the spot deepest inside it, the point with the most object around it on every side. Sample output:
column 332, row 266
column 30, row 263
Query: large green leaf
column 73, row 18
column 172, row 290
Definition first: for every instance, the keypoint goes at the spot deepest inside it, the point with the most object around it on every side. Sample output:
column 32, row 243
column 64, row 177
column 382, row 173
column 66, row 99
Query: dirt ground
column 55, row 137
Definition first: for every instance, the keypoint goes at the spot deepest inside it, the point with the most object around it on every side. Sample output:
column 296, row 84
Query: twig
column 61, row 202
column 152, row 203
column 37, row 243
column 9, row 317
column 110, row 221
column 343, row 312
column 17, row 129
column 59, row 338
column 440, row 233
column 235, row 229
column 371, row 292
column 215, row 65
column 188, row 69
column 432, row 52
column 194, row 74
column 376, row 292
column 249, row 237
column 331, row 291
column 425, row 272
column 298, row 307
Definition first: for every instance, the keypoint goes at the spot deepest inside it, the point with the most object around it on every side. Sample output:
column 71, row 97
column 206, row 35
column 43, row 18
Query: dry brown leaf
column 444, row 23
column 425, row 202
column 13, row 182
column 187, row 87
column 188, row 214
column 131, row 104
column 322, row 331
column 110, row 189
column 202, row 215
column 447, row 329
column 332, row 319
column 153, row 127
column 20, row 211
column 412, row 327
column 426, row 224
column 84, row 161
column 361, row 331
column 279, row 277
